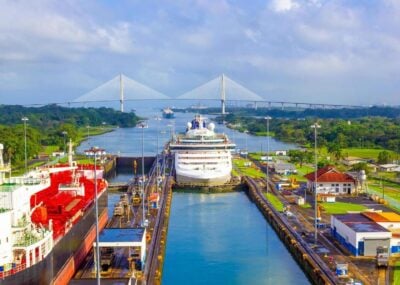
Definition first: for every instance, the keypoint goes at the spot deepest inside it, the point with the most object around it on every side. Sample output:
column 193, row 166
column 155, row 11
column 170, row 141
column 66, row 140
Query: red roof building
column 331, row 181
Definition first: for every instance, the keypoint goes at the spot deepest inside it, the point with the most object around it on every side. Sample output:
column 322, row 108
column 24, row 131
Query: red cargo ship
column 48, row 222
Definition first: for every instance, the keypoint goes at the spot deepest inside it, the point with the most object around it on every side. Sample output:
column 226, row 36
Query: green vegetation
column 306, row 206
column 49, row 127
column 341, row 207
column 251, row 170
column 271, row 134
column 391, row 189
column 339, row 137
column 366, row 153
column 396, row 273
column 275, row 202
column 301, row 171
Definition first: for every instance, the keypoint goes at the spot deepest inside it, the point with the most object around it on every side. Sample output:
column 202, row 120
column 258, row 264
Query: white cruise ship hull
column 197, row 180
column 202, row 177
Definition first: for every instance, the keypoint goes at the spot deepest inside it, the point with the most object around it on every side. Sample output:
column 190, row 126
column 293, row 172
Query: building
column 331, row 181
column 359, row 234
column 388, row 167
column 283, row 168
column 362, row 233
column 281, row 152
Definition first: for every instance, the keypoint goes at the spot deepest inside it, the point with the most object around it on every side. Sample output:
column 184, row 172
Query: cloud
column 38, row 30
column 286, row 48
column 281, row 6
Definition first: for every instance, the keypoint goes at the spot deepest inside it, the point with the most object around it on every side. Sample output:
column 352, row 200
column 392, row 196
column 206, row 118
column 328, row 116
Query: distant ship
column 202, row 157
column 168, row 113
column 47, row 221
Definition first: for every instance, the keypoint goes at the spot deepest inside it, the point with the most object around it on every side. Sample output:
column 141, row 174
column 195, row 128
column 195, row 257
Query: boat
column 168, row 113
column 47, row 219
column 202, row 157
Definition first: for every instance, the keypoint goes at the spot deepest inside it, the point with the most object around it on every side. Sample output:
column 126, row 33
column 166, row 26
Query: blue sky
column 319, row 51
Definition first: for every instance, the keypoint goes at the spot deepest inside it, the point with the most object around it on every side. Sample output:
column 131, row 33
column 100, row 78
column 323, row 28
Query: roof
column 121, row 235
column 359, row 223
column 382, row 216
column 284, row 166
column 389, row 165
column 330, row 174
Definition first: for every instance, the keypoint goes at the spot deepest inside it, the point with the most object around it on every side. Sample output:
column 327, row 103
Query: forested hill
column 51, row 115
column 323, row 113
column 50, row 126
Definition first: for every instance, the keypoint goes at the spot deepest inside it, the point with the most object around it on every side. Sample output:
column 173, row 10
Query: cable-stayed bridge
column 222, row 88
column 121, row 88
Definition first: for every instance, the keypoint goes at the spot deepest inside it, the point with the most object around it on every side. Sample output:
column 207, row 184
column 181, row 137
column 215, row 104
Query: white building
column 331, row 181
column 358, row 234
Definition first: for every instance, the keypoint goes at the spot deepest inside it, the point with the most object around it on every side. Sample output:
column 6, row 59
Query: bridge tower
column 121, row 92
column 223, row 95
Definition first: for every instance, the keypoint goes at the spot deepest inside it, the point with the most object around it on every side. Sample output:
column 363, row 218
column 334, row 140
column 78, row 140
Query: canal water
column 212, row 238
column 224, row 239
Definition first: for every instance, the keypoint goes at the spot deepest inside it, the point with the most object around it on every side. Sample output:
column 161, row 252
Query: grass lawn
column 264, row 134
column 306, row 206
column 275, row 202
column 396, row 273
column 49, row 149
column 391, row 189
column 251, row 171
column 301, row 171
column 341, row 207
column 363, row 152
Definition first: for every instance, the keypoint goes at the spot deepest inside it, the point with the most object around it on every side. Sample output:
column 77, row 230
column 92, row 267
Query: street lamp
column 25, row 119
column 158, row 119
column 143, row 126
column 96, row 153
column 315, row 127
column 64, row 134
column 267, row 118
column 246, row 134
column 88, row 127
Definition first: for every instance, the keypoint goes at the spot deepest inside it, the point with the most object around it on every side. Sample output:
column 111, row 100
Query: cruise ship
column 202, row 157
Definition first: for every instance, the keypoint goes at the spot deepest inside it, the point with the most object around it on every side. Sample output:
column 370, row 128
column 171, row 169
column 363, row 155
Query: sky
column 320, row 51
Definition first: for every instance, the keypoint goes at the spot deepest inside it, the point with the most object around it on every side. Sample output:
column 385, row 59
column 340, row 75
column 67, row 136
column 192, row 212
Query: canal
column 212, row 238
column 224, row 239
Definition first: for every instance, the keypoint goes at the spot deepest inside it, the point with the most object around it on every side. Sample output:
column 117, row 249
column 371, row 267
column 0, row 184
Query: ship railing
column 11, row 268
column 29, row 238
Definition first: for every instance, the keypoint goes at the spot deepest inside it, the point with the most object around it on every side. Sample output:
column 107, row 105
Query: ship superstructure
column 39, row 210
column 202, row 157
column 168, row 113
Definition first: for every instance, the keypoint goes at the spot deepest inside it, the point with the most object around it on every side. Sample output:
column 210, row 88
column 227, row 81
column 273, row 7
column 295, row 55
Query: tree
column 335, row 149
column 361, row 166
column 384, row 157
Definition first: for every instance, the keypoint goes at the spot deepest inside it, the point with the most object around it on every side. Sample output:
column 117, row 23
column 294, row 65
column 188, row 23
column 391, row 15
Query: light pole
column 88, row 127
column 267, row 118
column 158, row 119
column 245, row 133
column 96, row 152
column 25, row 119
column 315, row 127
column 143, row 126
column 64, row 134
